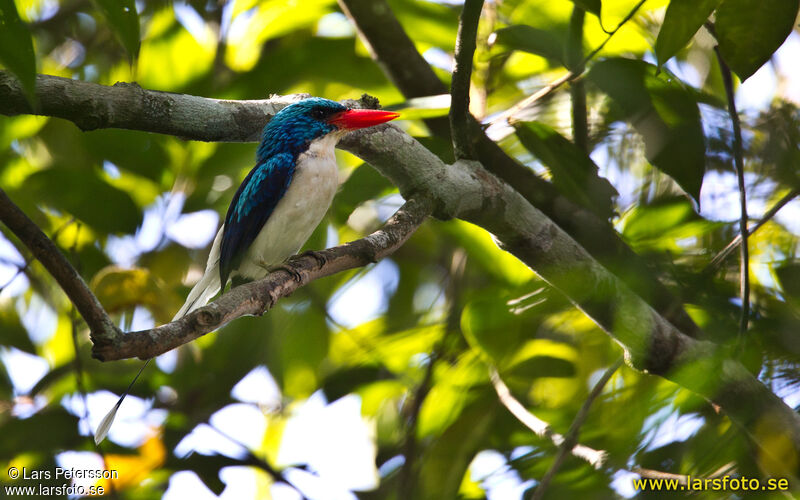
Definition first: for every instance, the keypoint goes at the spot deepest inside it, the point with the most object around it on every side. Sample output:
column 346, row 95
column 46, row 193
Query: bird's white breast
column 300, row 210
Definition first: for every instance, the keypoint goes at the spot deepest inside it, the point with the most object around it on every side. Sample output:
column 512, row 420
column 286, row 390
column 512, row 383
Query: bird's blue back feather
column 283, row 140
column 252, row 205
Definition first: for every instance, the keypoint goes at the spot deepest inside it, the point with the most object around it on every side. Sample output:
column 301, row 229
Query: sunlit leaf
column 133, row 469
column 163, row 63
column 121, row 290
column 269, row 20
column 455, row 387
column 420, row 108
column 529, row 39
column 592, row 6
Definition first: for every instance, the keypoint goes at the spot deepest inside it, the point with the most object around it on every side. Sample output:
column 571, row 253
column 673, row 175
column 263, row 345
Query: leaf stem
column 738, row 159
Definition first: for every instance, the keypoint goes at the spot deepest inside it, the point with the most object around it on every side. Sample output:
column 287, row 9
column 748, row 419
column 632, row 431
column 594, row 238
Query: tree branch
column 571, row 439
column 92, row 106
column 258, row 297
column 57, row 265
column 723, row 254
column 396, row 54
column 738, row 161
column 529, row 101
column 462, row 73
column 465, row 190
column 577, row 90
column 596, row 458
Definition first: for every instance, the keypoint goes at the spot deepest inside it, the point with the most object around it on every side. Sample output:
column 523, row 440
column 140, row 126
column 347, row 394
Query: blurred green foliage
column 460, row 305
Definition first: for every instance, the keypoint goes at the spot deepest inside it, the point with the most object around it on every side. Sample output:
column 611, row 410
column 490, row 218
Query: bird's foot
column 319, row 257
column 285, row 266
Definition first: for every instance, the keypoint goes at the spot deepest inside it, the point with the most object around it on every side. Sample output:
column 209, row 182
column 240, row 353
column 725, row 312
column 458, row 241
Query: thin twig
column 462, row 74
column 738, row 159
column 596, row 458
column 262, row 464
column 718, row 259
column 407, row 473
column 27, row 260
column 572, row 434
column 569, row 76
column 58, row 266
column 20, row 269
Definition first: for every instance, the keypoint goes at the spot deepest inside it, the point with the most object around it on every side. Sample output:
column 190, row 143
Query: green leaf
column 492, row 329
column 16, row 47
column 662, row 224
column 348, row 380
column 51, row 429
column 530, row 39
column 750, row 31
column 14, row 334
column 122, row 16
column 574, row 173
column 107, row 209
column 446, row 461
column 427, row 22
column 592, row 6
column 655, row 220
column 789, row 278
column 120, row 290
column 421, row 108
column 681, row 22
column 543, row 366
column 663, row 112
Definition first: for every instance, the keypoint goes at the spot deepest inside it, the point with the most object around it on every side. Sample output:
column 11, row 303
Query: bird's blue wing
column 250, row 208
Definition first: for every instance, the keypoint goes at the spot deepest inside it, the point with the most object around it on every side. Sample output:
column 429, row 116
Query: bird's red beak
column 360, row 118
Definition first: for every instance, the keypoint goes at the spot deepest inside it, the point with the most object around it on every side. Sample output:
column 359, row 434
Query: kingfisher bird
column 284, row 198
column 280, row 202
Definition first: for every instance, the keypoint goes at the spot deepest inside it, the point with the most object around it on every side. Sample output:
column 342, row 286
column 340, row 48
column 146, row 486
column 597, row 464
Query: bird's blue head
column 294, row 127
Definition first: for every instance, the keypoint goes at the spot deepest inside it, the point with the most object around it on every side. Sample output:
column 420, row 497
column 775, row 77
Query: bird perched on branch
column 280, row 202
column 283, row 199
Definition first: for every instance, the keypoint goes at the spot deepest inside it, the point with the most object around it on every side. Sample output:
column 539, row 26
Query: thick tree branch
column 92, row 106
column 396, row 54
column 56, row 264
column 462, row 75
column 258, row 297
column 467, row 191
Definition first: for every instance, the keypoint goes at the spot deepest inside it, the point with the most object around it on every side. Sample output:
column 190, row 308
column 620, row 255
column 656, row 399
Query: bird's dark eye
column 318, row 113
